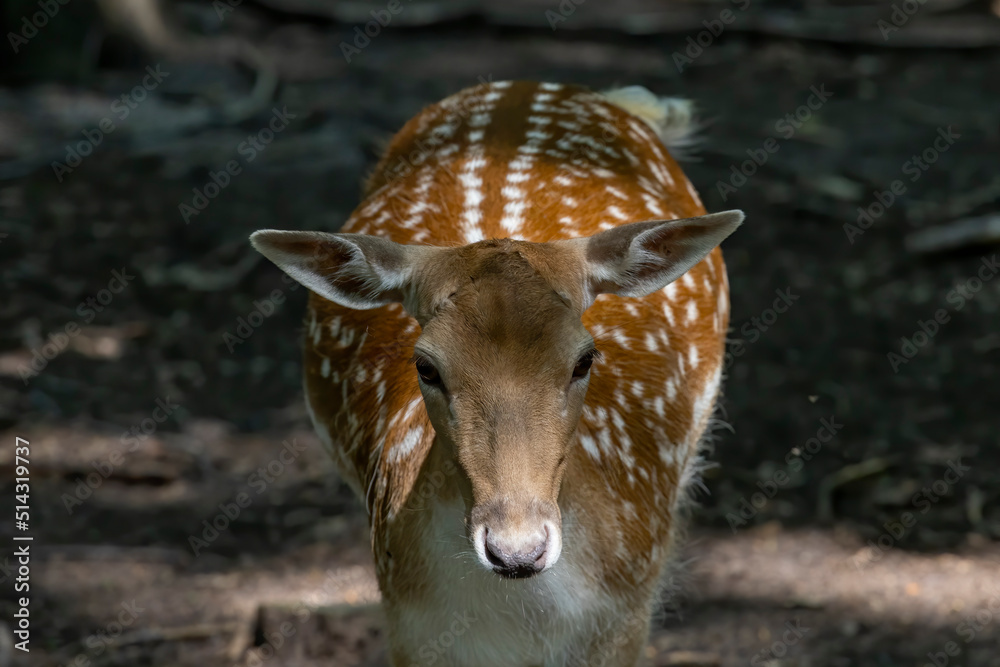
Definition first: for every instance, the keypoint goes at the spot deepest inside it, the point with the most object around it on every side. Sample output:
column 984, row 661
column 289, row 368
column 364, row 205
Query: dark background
column 802, row 557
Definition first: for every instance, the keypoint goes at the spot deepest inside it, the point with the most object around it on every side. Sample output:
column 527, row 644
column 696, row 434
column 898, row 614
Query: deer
column 513, row 352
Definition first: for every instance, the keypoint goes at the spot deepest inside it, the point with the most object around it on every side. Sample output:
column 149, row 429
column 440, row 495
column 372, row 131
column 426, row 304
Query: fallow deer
column 513, row 349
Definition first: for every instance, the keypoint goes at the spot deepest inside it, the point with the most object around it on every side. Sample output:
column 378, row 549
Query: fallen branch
column 145, row 22
column 954, row 235
column 846, row 475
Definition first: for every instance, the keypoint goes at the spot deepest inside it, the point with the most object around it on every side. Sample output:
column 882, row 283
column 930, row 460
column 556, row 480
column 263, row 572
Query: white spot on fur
column 479, row 120
column 405, row 447
column 705, row 402
column 615, row 192
column 617, row 212
column 539, row 107
column 668, row 312
column 692, row 192
column 513, row 215
column 692, row 311
column 471, row 215
column 511, row 192
column 521, row 163
column 671, row 387
column 313, row 326
column 652, row 206
column 604, row 441
column 621, row 338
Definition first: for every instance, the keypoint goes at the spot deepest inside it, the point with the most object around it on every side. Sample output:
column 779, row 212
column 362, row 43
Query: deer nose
column 517, row 556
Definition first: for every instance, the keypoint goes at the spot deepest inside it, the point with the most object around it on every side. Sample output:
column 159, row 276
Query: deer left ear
column 354, row 270
column 642, row 257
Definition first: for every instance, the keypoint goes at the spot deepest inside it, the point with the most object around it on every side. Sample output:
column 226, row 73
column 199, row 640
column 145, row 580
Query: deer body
column 523, row 490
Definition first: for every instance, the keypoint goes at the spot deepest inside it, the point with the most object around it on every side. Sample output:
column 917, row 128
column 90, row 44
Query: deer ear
column 639, row 258
column 354, row 270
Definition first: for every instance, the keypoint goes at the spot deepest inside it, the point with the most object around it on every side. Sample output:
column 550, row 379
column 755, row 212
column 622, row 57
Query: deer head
column 503, row 358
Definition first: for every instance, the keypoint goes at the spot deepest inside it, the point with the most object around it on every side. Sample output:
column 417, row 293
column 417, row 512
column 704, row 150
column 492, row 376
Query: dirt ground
column 793, row 578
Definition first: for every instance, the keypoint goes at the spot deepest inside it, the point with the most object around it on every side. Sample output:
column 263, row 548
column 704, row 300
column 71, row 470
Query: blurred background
column 853, row 515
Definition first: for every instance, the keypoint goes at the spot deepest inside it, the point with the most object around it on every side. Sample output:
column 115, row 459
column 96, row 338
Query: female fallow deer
column 504, row 369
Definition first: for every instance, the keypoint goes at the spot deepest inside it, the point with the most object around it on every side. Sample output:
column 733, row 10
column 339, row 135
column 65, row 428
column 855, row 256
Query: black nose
column 516, row 563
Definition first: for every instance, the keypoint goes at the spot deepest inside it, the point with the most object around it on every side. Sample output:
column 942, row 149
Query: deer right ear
column 639, row 258
column 353, row 270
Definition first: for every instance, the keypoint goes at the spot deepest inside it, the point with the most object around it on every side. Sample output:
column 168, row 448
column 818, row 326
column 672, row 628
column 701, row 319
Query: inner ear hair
column 639, row 258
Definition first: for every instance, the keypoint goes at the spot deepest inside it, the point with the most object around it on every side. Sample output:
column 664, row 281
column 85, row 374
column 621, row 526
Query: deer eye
column 428, row 373
column 584, row 363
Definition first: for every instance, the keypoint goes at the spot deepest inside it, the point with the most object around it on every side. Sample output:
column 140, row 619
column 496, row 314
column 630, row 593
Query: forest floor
column 800, row 561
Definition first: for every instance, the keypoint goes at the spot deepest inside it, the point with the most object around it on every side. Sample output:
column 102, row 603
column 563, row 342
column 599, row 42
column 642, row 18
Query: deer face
column 503, row 359
column 503, row 362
